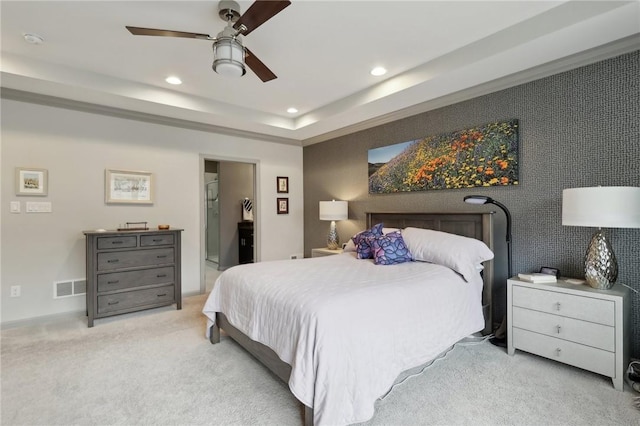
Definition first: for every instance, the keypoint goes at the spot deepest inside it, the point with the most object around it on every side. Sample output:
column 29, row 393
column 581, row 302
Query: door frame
column 203, row 209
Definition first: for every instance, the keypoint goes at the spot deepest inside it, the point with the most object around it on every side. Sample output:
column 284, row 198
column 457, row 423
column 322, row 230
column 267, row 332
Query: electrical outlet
column 293, row 256
column 15, row 291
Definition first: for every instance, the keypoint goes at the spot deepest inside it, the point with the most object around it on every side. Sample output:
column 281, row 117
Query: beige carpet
column 156, row 368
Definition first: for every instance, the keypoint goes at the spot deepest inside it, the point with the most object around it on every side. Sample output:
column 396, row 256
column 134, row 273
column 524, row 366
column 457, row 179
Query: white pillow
column 462, row 254
column 350, row 245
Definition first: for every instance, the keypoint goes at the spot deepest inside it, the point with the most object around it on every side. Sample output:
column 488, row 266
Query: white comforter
column 347, row 327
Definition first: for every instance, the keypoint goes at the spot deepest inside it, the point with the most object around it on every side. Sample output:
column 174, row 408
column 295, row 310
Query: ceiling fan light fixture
column 228, row 56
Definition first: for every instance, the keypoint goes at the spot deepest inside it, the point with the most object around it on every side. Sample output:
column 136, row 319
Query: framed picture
column 128, row 187
column 480, row 156
column 31, row 181
column 283, row 185
column 283, row 206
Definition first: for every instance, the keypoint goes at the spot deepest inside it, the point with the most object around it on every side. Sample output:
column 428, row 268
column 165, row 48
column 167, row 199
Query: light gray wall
column 76, row 148
column 578, row 128
column 235, row 183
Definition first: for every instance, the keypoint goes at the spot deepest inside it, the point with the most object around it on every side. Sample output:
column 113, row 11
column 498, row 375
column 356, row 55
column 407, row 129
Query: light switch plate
column 15, row 207
column 38, row 207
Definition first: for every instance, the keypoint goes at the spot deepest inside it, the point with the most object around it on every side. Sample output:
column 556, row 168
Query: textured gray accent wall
column 578, row 128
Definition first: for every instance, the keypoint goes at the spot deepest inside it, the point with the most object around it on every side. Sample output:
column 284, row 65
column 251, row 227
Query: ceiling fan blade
column 259, row 13
column 167, row 33
column 259, row 68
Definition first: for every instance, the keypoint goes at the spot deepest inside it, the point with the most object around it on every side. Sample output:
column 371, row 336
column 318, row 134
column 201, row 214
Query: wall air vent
column 68, row 288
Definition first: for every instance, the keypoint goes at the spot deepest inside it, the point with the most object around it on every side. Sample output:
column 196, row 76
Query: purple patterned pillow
column 364, row 241
column 390, row 249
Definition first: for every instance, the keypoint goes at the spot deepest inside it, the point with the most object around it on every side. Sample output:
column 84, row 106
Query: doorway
column 212, row 224
column 228, row 188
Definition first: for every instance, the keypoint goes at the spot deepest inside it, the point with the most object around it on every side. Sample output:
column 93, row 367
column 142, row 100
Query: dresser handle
column 157, row 240
column 113, row 303
column 117, row 242
column 161, row 275
column 558, row 350
column 162, row 295
column 113, row 282
column 113, row 260
column 558, row 329
column 557, row 306
column 161, row 256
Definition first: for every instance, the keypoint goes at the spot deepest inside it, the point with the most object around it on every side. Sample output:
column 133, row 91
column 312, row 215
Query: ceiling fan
column 229, row 55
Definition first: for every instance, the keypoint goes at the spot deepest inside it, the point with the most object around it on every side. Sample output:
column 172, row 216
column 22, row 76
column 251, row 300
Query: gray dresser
column 129, row 271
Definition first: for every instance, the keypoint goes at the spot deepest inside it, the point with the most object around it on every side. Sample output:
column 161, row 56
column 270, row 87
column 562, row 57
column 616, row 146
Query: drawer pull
column 161, row 275
column 113, row 303
column 557, row 306
column 161, row 256
column 117, row 242
column 113, row 282
column 157, row 240
column 558, row 328
column 162, row 295
column 113, row 260
column 558, row 350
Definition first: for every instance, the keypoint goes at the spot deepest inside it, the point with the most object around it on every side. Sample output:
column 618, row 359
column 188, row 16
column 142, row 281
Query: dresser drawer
column 579, row 307
column 135, row 298
column 583, row 332
column 121, row 280
column 129, row 241
column 156, row 240
column 581, row 356
column 133, row 258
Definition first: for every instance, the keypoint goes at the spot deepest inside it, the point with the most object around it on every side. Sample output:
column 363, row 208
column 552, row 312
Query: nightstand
column 572, row 324
column 319, row 252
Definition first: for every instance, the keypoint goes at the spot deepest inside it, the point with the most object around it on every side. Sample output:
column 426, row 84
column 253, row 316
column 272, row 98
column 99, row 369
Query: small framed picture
column 283, row 185
column 283, row 206
column 31, row 181
column 128, row 187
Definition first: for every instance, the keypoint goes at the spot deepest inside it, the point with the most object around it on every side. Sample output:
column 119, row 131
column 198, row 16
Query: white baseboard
column 63, row 316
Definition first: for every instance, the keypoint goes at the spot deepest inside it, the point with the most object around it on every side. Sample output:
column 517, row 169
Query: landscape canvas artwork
column 485, row 155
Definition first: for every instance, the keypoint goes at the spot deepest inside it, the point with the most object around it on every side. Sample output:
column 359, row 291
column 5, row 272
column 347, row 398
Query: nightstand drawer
column 132, row 299
column 586, row 357
column 583, row 332
column 320, row 252
column 583, row 308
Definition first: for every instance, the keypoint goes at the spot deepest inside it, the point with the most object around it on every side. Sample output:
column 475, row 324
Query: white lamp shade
column 602, row 207
column 334, row 210
column 228, row 57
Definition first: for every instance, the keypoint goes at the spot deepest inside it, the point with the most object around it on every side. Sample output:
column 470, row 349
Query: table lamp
column 601, row 207
column 333, row 210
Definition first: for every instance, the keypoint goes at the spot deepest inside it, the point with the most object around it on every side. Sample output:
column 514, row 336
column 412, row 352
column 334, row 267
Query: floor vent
column 69, row 288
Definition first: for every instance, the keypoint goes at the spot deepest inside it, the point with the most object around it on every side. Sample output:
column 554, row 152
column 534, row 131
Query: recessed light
column 173, row 80
column 292, row 110
column 378, row 71
column 33, row 38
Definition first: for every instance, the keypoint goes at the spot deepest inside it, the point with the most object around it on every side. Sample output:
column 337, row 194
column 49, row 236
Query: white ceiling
column 437, row 53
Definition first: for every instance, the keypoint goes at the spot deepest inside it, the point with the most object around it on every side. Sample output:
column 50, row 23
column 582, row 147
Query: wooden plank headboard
column 473, row 225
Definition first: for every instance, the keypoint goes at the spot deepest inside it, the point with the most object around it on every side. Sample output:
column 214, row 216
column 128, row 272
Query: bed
column 339, row 329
